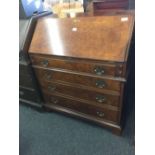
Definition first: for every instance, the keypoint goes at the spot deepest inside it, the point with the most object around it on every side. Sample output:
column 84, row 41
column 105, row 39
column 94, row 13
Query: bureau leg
column 117, row 131
column 46, row 109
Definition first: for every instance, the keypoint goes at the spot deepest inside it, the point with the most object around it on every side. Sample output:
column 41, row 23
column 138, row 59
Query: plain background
column 145, row 77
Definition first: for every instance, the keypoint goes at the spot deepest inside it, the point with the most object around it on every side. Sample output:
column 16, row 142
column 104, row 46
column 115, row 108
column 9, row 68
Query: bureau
column 82, row 65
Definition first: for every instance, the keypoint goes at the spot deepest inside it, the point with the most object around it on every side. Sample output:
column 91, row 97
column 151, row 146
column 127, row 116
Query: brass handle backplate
column 48, row 76
column 51, row 88
column 54, row 100
column 100, row 84
column 44, row 63
column 100, row 114
column 99, row 70
column 100, row 98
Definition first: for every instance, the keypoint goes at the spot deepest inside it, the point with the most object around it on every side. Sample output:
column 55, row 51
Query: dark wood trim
column 67, row 58
column 130, row 39
column 34, row 104
column 116, row 129
column 121, row 101
column 27, row 88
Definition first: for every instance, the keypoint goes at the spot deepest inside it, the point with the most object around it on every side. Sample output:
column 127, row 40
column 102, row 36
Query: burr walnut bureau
column 82, row 63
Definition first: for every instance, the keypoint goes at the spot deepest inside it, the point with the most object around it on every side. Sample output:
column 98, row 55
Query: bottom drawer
column 30, row 95
column 25, row 81
column 99, row 113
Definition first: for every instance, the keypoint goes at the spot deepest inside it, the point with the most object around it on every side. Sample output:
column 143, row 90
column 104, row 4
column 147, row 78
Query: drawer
column 25, row 81
column 25, row 69
column 91, row 67
column 99, row 113
column 91, row 96
column 110, row 4
column 78, row 79
column 29, row 94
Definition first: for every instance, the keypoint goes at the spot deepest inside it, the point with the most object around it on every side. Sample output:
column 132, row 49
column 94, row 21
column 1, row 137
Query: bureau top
column 98, row 37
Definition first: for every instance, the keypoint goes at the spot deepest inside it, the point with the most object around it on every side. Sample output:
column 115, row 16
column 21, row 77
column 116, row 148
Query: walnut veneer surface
column 101, row 37
column 82, row 64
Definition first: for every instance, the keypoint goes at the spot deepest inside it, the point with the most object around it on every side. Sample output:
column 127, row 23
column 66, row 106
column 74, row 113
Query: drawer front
column 30, row 95
column 25, row 69
column 99, row 113
column 26, row 81
column 79, row 66
column 89, row 81
column 110, row 5
column 91, row 96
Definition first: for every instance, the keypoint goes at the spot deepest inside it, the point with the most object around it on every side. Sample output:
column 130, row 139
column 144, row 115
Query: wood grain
column 65, row 54
column 109, row 115
column 79, row 65
column 91, row 96
column 74, row 78
column 99, row 37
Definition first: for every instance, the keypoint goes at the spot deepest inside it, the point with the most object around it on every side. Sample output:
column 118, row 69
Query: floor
column 55, row 134
column 50, row 133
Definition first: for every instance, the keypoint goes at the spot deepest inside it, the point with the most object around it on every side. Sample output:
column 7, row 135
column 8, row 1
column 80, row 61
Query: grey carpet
column 55, row 134
column 51, row 133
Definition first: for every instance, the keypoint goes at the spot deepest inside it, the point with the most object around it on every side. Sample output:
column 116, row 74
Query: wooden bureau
column 82, row 65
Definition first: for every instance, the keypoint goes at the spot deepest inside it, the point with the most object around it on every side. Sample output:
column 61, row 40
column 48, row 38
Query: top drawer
column 86, row 66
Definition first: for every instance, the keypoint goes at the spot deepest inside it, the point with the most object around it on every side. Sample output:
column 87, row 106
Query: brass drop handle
column 100, row 114
column 100, row 98
column 48, row 76
column 54, row 100
column 44, row 63
column 99, row 70
column 51, row 88
column 100, row 84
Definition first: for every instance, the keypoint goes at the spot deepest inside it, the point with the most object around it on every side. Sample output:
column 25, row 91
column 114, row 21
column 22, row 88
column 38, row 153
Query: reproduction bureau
column 82, row 65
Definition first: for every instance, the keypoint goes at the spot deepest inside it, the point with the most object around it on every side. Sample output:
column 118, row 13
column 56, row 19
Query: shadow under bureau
column 82, row 65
